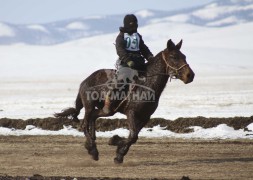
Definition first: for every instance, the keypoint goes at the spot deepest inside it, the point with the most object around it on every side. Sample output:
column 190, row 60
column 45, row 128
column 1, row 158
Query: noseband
column 175, row 71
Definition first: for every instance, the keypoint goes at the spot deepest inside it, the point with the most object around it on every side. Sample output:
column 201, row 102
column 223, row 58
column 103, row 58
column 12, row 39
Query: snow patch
column 213, row 5
column 93, row 17
column 144, row 13
column 228, row 20
column 38, row 27
column 30, row 127
column 179, row 18
column 222, row 131
column 5, row 30
column 238, row 1
column 212, row 12
column 77, row 26
column 250, row 127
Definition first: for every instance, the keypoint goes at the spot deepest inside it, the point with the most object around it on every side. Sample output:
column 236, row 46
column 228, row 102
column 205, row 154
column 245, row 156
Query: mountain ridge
column 214, row 14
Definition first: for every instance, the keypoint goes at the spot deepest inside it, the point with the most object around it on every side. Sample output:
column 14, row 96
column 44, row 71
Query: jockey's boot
column 107, row 106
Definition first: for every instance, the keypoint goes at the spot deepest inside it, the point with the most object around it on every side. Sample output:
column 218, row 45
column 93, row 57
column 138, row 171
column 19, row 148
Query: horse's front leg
column 90, row 134
column 123, row 144
column 123, row 147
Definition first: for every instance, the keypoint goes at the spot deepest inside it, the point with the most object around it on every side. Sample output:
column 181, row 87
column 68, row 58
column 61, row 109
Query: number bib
column 132, row 41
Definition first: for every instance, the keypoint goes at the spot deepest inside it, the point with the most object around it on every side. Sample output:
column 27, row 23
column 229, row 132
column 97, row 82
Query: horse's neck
column 156, row 78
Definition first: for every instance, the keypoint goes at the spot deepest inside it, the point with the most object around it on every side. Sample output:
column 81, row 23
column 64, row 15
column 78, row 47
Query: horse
column 169, row 63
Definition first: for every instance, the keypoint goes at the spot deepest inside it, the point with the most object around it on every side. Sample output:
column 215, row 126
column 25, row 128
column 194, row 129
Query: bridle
column 175, row 71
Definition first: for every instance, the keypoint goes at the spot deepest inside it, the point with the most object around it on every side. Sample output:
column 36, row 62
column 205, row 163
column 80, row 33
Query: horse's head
column 176, row 65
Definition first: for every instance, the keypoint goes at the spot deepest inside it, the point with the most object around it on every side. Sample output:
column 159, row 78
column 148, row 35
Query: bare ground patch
column 64, row 157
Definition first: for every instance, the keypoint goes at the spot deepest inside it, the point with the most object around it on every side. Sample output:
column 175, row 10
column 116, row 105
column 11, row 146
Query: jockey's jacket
column 131, row 47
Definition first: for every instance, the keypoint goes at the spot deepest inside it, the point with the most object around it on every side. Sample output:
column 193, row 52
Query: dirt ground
column 163, row 158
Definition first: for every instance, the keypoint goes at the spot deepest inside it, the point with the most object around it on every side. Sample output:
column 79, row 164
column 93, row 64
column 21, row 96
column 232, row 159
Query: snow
column 250, row 127
column 236, row 1
column 93, row 17
column 144, row 13
column 213, row 11
column 5, row 30
column 77, row 26
column 229, row 20
column 37, row 81
column 179, row 18
column 38, row 27
column 222, row 131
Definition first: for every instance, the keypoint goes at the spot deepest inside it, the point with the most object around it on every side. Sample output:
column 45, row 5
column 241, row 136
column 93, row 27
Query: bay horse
column 169, row 63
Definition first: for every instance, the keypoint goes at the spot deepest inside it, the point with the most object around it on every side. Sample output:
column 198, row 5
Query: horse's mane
column 153, row 60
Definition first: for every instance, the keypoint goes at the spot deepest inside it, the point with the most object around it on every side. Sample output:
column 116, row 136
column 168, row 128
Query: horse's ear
column 170, row 45
column 178, row 46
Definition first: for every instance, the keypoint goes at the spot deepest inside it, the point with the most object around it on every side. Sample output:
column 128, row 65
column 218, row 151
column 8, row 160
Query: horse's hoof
column 94, row 154
column 114, row 141
column 95, row 157
column 118, row 160
column 92, row 151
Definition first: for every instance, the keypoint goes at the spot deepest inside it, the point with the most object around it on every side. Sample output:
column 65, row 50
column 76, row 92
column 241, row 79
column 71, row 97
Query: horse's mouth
column 188, row 78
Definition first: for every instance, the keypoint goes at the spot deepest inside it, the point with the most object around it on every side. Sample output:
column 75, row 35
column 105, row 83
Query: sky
column 44, row 11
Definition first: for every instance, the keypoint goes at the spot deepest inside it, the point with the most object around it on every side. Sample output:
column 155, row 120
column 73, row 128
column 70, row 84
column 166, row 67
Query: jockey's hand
column 130, row 64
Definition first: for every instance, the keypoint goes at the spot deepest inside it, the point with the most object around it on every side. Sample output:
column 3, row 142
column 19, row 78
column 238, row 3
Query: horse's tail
column 72, row 112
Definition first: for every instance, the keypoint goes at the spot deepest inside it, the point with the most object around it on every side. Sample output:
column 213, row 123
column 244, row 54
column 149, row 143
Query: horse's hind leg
column 88, row 125
column 78, row 106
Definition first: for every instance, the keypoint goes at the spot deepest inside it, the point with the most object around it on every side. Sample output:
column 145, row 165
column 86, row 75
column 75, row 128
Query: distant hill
column 215, row 14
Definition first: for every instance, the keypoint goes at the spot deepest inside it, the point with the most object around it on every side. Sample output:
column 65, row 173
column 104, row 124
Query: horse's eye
column 172, row 57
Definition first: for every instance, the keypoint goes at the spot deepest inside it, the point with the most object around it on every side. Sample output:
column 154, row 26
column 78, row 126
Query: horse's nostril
column 190, row 76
